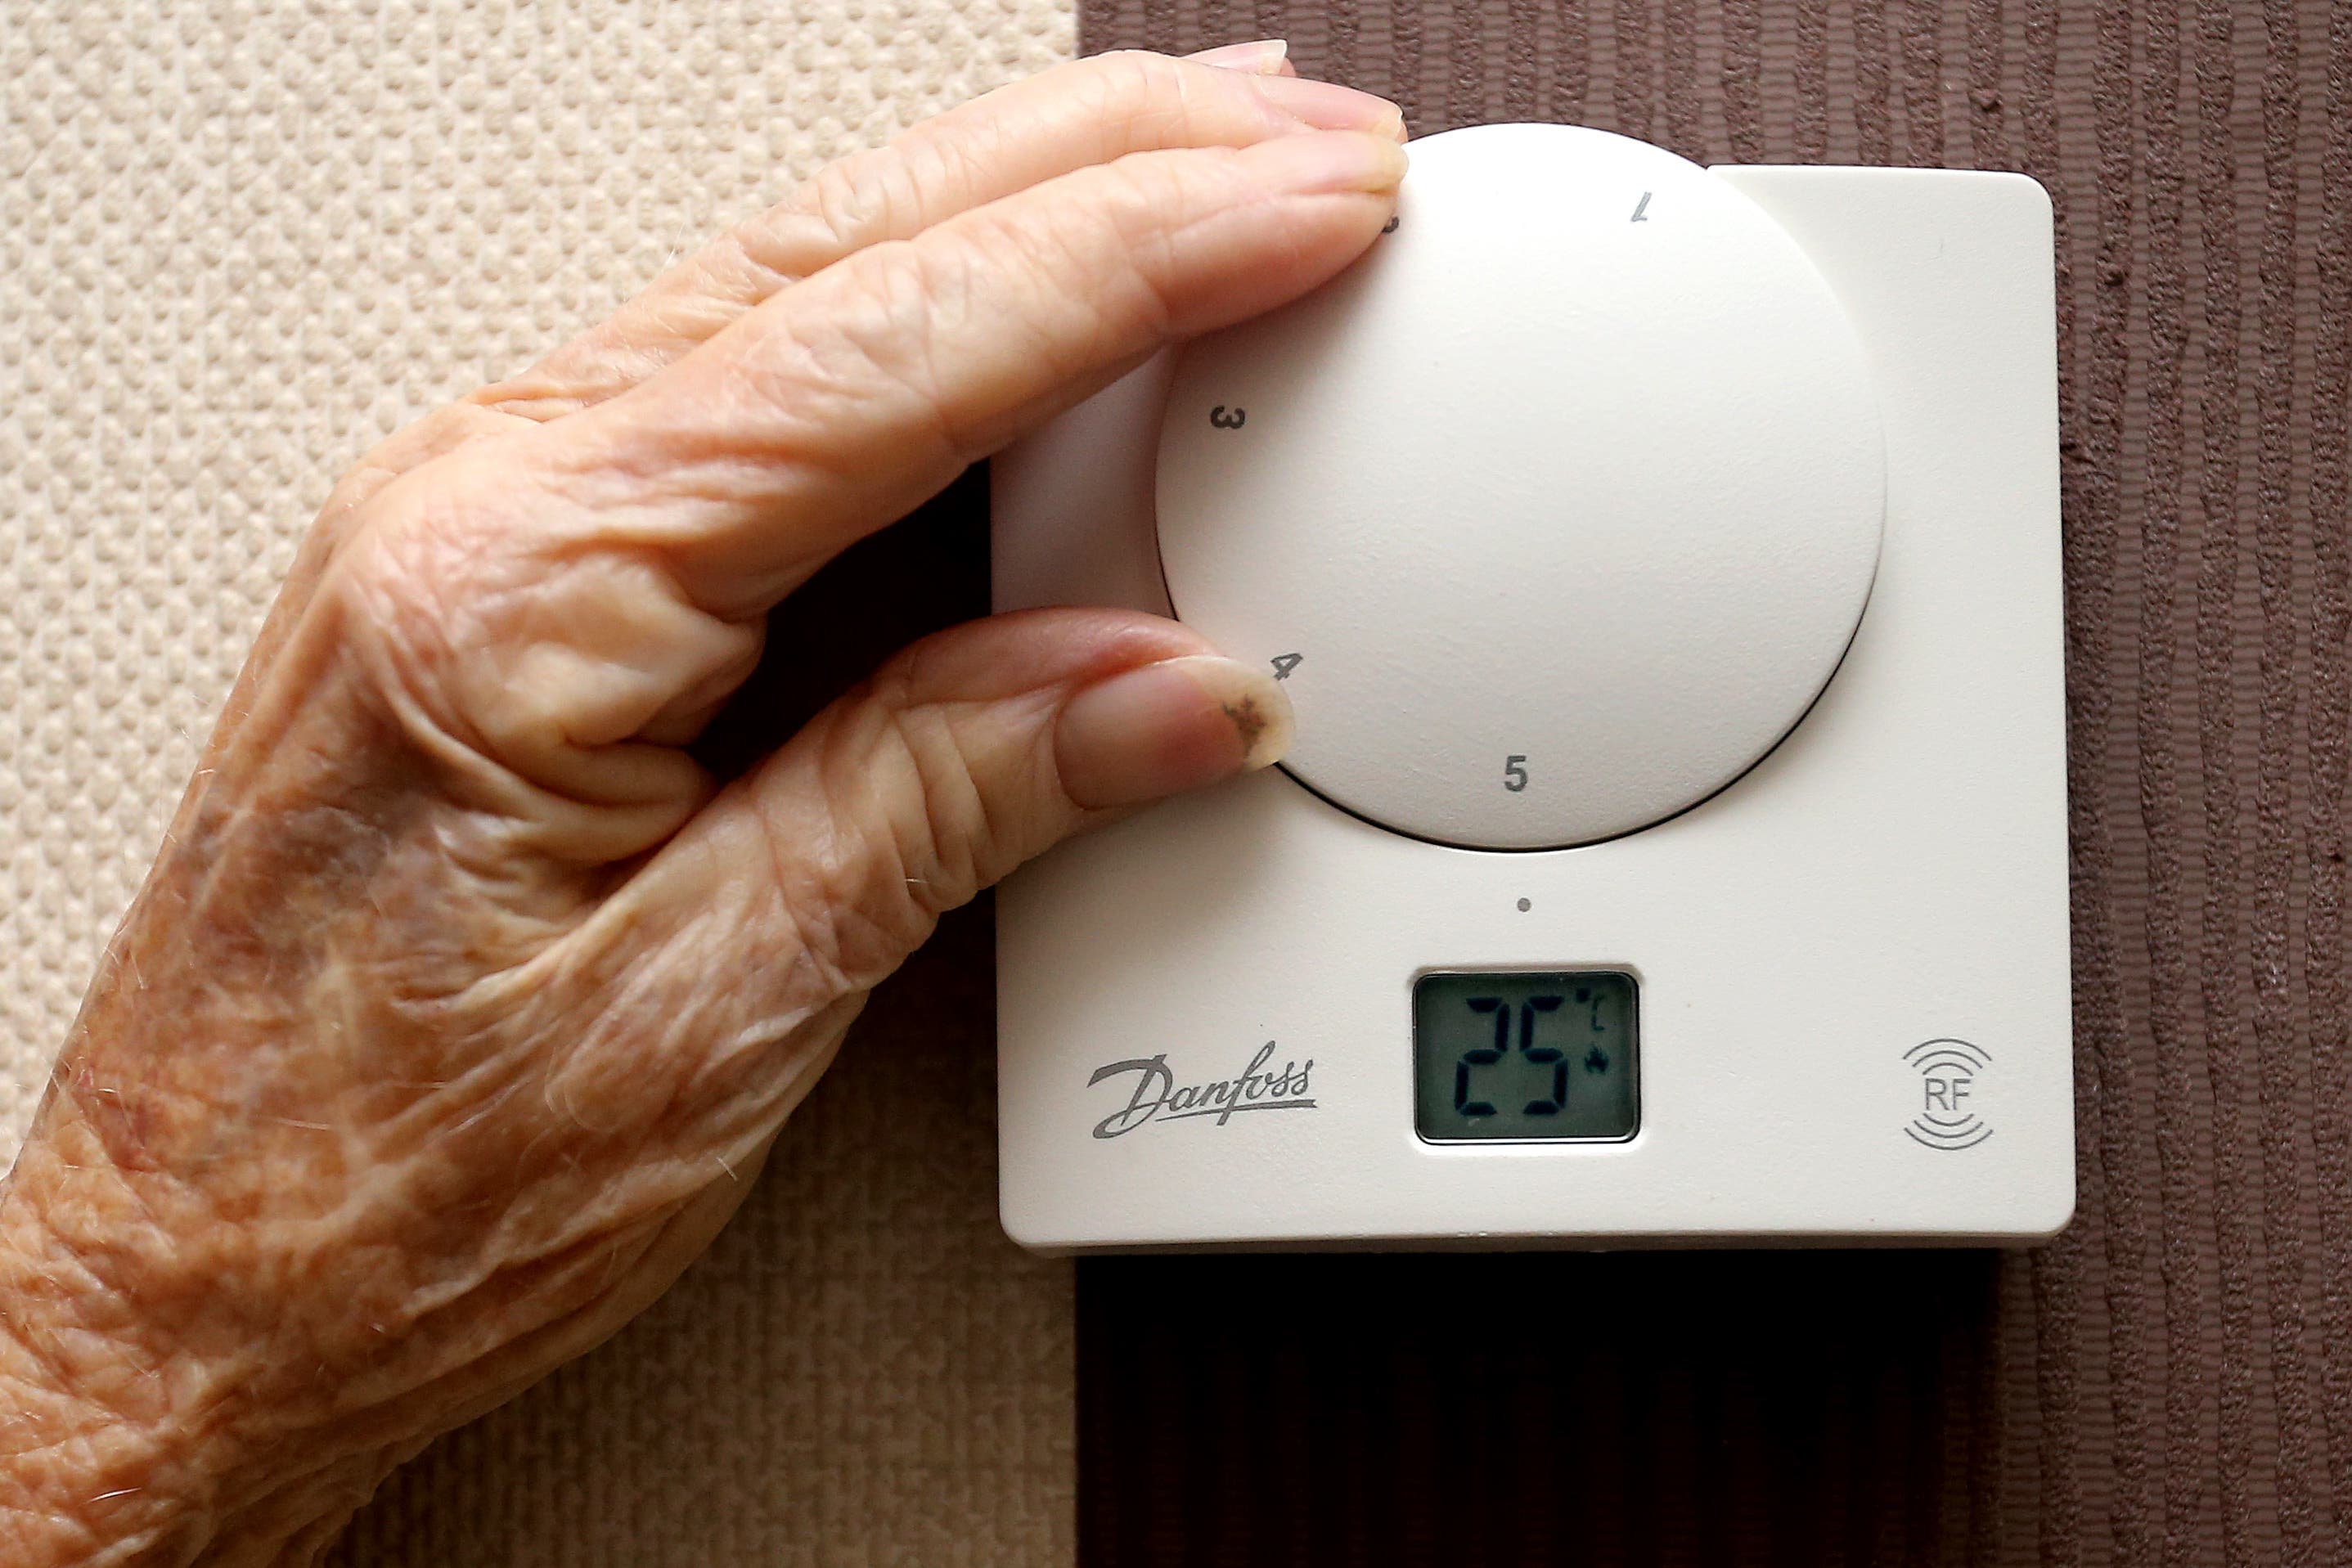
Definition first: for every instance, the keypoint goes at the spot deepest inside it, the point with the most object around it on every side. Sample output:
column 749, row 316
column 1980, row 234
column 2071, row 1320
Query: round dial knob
column 1556, row 511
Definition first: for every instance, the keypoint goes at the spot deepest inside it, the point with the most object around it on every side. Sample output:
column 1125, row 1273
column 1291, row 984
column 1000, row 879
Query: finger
column 843, row 402
column 971, row 752
column 1085, row 112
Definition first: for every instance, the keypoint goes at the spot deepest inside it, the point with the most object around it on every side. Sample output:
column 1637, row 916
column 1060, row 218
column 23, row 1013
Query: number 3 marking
column 1224, row 421
column 1515, row 773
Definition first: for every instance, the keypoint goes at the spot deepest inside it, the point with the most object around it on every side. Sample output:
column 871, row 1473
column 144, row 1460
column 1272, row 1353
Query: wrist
column 109, row 1433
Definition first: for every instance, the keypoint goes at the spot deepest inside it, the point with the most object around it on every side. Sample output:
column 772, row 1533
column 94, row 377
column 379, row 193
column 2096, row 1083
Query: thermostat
column 1663, row 562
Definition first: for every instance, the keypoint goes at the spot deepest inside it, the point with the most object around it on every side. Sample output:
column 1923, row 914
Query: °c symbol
column 1225, row 421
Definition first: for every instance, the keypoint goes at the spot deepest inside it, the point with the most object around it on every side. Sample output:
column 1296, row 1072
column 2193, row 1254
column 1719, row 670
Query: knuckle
column 941, row 823
column 903, row 297
column 949, row 774
column 1166, row 102
column 1122, row 83
column 401, row 567
column 857, row 199
column 1067, row 275
column 855, row 881
column 1059, row 249
column 421, row 584
column 478, row 416
column 1146, row 194
column 789, row 243
column 513, row 656
column 1142, row 204
column 908, row 287
column 474, row 417
column 1110, row 219
column 855, row 355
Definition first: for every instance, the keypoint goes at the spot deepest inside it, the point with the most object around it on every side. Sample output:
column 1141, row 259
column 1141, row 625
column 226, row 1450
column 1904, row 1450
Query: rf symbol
column 1944, row 1109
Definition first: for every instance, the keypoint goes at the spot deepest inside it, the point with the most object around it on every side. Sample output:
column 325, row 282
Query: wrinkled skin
column 407, row 1076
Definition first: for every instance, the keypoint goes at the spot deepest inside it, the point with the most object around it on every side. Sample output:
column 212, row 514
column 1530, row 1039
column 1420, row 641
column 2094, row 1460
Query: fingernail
column 1331, row 161
column 1327, row 106
column 1165, row 727
column 1259, row 54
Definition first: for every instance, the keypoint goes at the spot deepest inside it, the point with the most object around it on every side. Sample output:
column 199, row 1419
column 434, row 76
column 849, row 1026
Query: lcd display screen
column 1518, row 1056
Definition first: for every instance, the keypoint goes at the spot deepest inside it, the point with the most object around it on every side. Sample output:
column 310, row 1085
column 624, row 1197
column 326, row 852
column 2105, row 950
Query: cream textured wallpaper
column 239, row 241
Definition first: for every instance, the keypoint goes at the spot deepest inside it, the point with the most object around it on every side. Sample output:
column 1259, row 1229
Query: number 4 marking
column 1286, row 663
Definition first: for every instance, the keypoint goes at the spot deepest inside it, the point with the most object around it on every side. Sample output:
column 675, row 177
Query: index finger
column 844, row 402
column 1081, row 113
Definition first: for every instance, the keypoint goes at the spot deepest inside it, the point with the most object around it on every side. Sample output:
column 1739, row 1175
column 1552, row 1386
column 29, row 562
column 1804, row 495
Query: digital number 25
column 1488, row 1056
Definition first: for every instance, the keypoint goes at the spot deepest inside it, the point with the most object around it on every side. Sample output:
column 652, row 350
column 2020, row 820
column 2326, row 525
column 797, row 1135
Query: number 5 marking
column 1515, row 773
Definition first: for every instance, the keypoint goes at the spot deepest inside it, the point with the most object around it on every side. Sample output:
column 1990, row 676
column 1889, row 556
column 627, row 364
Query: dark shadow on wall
column 1799, row 1408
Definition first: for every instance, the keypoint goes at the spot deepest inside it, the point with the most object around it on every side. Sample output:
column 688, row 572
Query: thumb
column 968, row 753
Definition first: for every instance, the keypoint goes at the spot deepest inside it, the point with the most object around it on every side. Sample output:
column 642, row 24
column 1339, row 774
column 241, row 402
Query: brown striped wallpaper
column 2172, row 1383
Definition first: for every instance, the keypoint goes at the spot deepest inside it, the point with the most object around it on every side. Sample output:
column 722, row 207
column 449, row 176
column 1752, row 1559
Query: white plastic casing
column 1853, row 959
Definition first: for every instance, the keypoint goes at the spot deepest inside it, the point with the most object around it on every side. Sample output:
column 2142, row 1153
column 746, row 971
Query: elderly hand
column 463, row 1003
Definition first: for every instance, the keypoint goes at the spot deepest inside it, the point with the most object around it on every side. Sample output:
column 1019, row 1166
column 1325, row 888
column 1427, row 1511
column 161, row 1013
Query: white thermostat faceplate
column 1664, row 563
